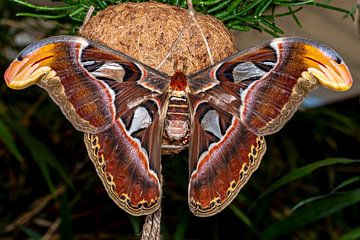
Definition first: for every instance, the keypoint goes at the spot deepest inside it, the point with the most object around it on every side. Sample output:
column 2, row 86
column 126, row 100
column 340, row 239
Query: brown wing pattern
column 241, row 99
column 264, row 85
column 91, row 84
column 223, row 155
column 115, row 100
column 127, row 159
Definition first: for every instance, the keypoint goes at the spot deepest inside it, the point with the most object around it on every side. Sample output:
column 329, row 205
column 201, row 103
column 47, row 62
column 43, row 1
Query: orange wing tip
column 21, row 74
column 334, row 76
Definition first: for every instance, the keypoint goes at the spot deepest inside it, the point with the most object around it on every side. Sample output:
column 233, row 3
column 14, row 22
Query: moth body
column 177, row 121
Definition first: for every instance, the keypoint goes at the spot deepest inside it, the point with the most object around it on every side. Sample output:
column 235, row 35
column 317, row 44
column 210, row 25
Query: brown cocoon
column 147, row 31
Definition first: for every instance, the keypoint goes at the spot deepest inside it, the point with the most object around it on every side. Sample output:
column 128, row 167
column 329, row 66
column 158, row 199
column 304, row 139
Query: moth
column 129, row 112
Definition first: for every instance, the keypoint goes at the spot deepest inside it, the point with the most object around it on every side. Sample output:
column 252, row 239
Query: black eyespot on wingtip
column 338, row 60
column 20, row 57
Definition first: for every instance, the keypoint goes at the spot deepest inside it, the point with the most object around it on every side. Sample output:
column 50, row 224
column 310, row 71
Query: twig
column 48, row 235
column 192, row 15
column 87, row 18
column 173, row 46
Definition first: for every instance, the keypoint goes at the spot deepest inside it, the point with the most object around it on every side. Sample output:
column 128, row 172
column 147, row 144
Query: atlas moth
column 128, row 111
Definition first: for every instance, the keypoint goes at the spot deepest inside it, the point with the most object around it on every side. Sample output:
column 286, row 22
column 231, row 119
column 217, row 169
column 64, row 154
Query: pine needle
column 242, row 15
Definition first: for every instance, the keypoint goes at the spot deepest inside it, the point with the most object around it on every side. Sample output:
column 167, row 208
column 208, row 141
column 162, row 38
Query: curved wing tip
column 24, row 73
column 334, row 76
column 17, row 75
column 330, row 68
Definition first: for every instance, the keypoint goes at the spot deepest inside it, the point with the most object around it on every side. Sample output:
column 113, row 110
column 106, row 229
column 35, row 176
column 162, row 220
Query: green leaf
column 346, row 183
column 32, row 234
column 35, row 15
column 327, row 6
column 8, row 140
column 219, row 7
column 341, row 185
column 135, row 223
column 307, row 201
column 242, row 216
column 353, row 234
column 39, row 153
column 205, row 3
column 311, row 213
column 42, row 7
column 66, row 230
column 181, row 227
column 297, row 21
column 76, row 10
column 305, row 171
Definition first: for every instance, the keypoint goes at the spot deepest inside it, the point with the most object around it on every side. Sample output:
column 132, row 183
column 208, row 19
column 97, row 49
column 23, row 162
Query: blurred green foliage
column 235, row 14
column 307, row 186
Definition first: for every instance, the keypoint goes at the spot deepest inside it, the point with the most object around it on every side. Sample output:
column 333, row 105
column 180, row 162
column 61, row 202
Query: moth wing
column 92, row 84
column 239, row 100
column 127, row 158
column 264, row 86
column 223, row 154
column 115, row 100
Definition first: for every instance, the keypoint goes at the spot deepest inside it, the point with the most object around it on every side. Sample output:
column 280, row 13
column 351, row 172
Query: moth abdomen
column 177, row 122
